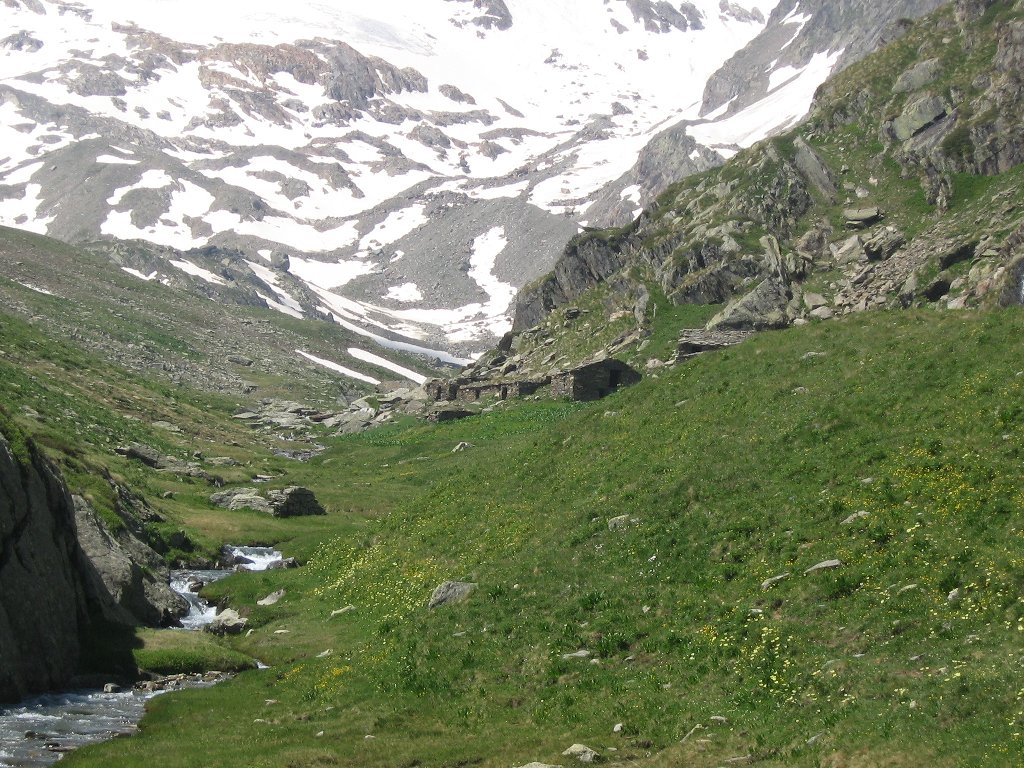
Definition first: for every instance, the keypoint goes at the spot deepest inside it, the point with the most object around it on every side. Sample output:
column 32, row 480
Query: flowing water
column 37, row 731
column 187, row 583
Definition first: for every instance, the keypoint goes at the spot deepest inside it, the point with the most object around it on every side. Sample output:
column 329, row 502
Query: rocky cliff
column 47, row 592
column 66, row 577
column 902, row 188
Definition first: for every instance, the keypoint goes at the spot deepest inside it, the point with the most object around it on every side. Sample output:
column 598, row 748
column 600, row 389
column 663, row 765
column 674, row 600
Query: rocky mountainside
column 901, row 189
column 403, row 179
column 769, row 82
column 50, row 595
column 190, row 332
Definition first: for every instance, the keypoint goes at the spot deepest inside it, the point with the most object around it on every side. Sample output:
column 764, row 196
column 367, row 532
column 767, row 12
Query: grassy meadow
column 891, row 442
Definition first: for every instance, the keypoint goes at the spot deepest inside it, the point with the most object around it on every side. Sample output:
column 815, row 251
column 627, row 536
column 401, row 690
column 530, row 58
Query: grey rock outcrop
column 588, row 259
column 294, row 501
column 761, row 309
column 450, row 592
column 131, row 571
column 671, row 155
column 48, row 594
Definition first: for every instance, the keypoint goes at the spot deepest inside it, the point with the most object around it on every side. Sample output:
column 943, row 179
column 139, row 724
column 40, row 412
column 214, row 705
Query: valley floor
column 805, row 550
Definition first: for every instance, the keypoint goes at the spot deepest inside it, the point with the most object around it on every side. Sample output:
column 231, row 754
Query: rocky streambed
column 39, row 731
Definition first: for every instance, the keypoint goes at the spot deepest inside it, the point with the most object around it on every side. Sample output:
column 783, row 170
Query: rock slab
column 450, row 592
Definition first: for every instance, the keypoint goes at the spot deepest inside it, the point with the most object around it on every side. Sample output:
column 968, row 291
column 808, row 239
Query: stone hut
column 593, row 380
column 472, row 390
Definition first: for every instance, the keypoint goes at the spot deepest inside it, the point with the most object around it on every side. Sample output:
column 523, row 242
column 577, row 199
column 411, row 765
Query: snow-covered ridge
column 418, row 160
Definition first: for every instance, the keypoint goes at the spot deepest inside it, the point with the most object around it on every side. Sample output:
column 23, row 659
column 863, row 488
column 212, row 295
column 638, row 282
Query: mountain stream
column 38, row 731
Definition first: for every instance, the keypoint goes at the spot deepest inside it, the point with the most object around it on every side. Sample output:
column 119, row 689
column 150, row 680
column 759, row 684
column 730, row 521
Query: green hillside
column 805, row 550
column 733, row 468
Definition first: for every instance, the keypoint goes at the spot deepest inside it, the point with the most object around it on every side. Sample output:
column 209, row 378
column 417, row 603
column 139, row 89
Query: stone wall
column 593, row 381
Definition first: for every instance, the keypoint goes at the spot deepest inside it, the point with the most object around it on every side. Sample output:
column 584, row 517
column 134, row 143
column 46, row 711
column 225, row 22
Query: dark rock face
column 47, row 589
column 668, row 157
column 130, row 570
column 588, row 260
column 661, row 16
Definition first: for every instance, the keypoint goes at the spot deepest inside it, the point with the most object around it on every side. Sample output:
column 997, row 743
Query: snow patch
column 396, row 226
column 196, row 271
column 329, row 275
column 381, row 362
column 780, row 109
column 282, row 308
column 115, row 160
column 136, row 273
column 287, row 304
column 339, row 368
column 407, row 292
column 150, row 180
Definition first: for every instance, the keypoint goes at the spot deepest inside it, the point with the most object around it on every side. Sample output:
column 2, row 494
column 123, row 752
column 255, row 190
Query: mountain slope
column 852, row 441
column 179, row 332
column 901, row 188
column 417, row 173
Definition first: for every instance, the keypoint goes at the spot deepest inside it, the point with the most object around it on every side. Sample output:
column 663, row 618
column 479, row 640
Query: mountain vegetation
column 802, row 550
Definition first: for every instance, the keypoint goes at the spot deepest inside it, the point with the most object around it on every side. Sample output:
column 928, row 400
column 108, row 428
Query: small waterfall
column 188, row 582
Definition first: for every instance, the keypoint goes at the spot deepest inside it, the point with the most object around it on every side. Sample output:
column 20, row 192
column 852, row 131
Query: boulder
column 858, row 218
column 918, row 115
column 295, row 501
column 769, row 583
column 918, row 76
column 884, row 243
column 850, row 250
column 139, row 452
column 241, row 498
column 824, row 565
column 814, row 300
column 581, row 752
column 450, row 592
column 762, row 309
column 227, row 622
column 272, row 598
column 619, row 523
column 580, row 654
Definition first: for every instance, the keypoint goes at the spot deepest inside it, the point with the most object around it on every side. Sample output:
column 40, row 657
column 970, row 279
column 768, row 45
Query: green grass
column 171, row 652
column 737, row 466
